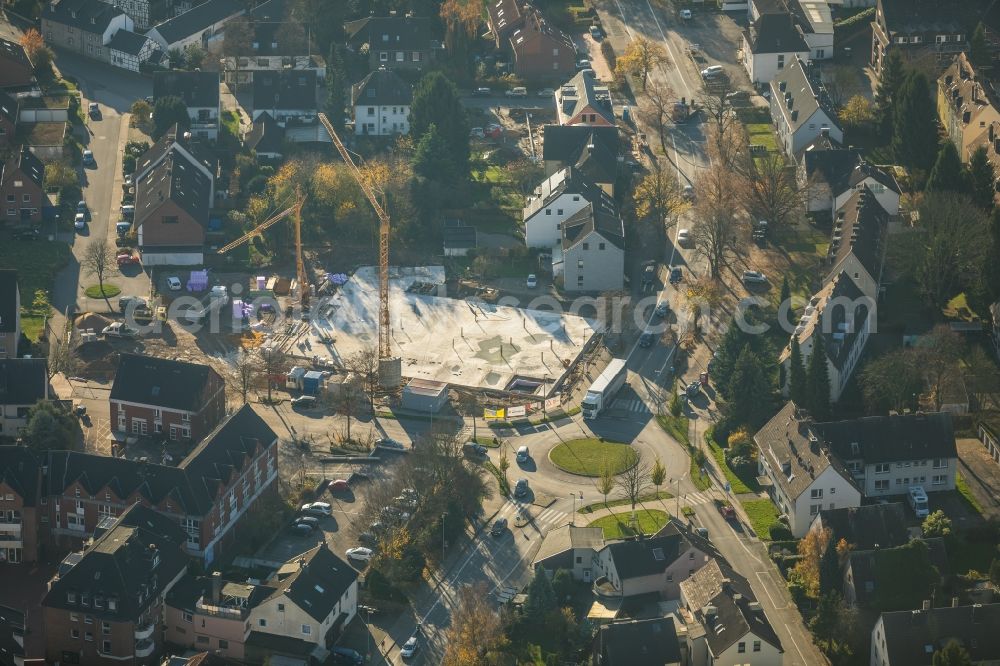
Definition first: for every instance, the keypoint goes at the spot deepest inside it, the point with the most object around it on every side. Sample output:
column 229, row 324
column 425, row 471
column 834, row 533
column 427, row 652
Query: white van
column 522, row 454
column 918, row 501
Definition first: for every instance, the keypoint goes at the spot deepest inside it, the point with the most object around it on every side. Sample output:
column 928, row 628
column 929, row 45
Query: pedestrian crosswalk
column 633, row 405
column 543, row 518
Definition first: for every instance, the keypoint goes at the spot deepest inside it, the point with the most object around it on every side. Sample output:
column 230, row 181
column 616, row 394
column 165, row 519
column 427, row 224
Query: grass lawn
column 36, row 263
column 676, row 426
column 617, row 525
column 963, row 489
column 736, row 484
column 95, row 291
column 699, row 481
column 231, row 121
column 764, row 518
column 588, row 456
column 624, row 501
column 762, row 134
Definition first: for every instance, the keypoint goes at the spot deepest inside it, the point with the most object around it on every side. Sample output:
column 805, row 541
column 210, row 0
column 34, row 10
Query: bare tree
column 657, row 109
column 715, row 232
column 470, row 405
column 62, row 358
column 99, row 261
column 606, row 483
column 841, row 83
column 939, row 354
column 659, row 198
column 524, row 176
column 717, row 106
column 728, row 144
column 271, row 363
column 634, row 480
column 347, row 401
column 365, row 364
column 476, row 629
column 771, row 191
column 243, row 373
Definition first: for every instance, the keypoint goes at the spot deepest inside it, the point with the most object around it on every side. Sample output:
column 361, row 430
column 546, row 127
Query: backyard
column 620, row 525
column 36, row 263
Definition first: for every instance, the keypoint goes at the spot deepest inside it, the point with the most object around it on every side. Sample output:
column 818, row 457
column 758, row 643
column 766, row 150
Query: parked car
column 532, row 281
column 88, row 158
column 499, row 527
column 546, row 92
column 409, row 648
column 521, row 488
column 27, row 234
column 683, row 237
column 596, row 33
column 676, row 275
column 754, row 277
column 712, row 71
column 727, row 511
column 647, row 339
column 128, row 181
column 583, row 63
column 94, row 110
column 482, row 92
column 174, row 283
column 360, row 553
column 79, row 220
column 81, row 207
column 347, row 656
column 739, row 96
column 686, row 14
column 368, row 537
column 389, row 443
column 477, row 133
column 301, row 529
column 135, row 302
column 522, row 454
column 303, row 402
column 474, row 448
column 311, row 521
column 126, row 258
column 119, row 330
column 316, row 509
column 339, row 486
column 692, row 389
column 662, row 309
column 517, row 91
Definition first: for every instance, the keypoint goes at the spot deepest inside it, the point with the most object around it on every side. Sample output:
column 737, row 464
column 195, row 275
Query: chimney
column 954, row 602
column 926, row 605
column 217, row 588
column 302, row 563
column 825, row 132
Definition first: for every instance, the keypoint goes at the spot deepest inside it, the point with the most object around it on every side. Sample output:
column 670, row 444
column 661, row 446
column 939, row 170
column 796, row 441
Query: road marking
column 796, row 645
column 102, row 138
column 766, row 585
column 672, row 54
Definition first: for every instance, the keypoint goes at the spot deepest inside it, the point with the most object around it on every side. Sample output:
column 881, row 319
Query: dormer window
column 71, row 597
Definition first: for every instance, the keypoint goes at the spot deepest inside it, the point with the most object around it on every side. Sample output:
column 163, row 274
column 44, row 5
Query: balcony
column 10, row 525
column 144, row 648
column 144, row 631
column 604, row 588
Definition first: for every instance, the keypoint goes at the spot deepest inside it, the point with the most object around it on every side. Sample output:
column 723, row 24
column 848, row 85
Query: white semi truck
column 604, row 388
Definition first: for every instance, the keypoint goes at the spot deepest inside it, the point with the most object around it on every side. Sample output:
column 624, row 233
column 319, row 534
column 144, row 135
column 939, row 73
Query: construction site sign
column 494, row 413
column 517, row 411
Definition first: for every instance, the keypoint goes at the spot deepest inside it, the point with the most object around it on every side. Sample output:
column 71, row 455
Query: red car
column 340, row 485
column 126, row 258
column 727, row 511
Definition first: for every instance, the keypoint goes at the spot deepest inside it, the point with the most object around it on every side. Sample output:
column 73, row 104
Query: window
column 781, row 61
column 579, row 263
column 756, row 646
column 600, row 246
column 307, row 629
column 106, row 647
column 88, row 636
column 223, row 644
column 11, row 198
column 186, row 418
column 741, row 647
column 559, row 211
column 814, row 509
column 882, row 484
column 939, row 463
column 586, row 246
column 416, row 56
column 71, row 597
column 938, row 479
column 262, row 622
column 555, row 52
column 399, row 56
column 106, row 628
column 188, row 617
column 87, row 619
column 203, row 639
column 74, row 633
column 383, row 56
column 168, row 219
column 548, row 211
column 670, row 578
column 281, row 608
column 26, row 198
column 816, row 493
column 881, row 468
column 74, row 617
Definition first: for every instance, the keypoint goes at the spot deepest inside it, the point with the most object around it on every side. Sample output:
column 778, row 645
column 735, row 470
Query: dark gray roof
column 19, row 469
column 11, row 636
column 175, row 178
column 318, row 582
column 588, row 219
column 196, row 89
column 186, row 593
column 459, row 237
column 775, row 33
column 868, row 526
column 383, row 87
column 132, row 564
column 915, row 16
column 571, row 181
column 860, row 228
column 635, row 558
column 26, row 164
column 14, row 53
column 127, row 42
column 8, row 107
column 8, row 300
column 266, row 19
column 197, row 19
column 650, row 642
column 864, row 170
column 162, row 382
column 91, row 16
column 793, row 85
column 284, row 90
column 829, row 165
column 567, row 143
column 912, row 636
column 584, row 90
column 897, row 437
column 170, row 139
column 23, row 381
column 736, row 609
column 266, row 135
column 914, row 556
column 400, row 33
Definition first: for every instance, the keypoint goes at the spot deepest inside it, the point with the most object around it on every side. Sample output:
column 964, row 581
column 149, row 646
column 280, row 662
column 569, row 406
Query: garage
column 424, row 395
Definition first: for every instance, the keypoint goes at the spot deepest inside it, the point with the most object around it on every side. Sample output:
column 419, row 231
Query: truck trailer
column 604, row 388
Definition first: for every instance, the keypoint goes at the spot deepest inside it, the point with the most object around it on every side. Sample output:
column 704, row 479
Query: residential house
column 209, row 613
column 770, row 42
column 649, row 642
column 381, row 103
column 200, row 93
column 10, row 313
column 202, row 25
column 865, row 527
column 20, row 514
column 987, row 434
column 271, row 48
column 395, row 41
column 816, row 19
column 104, row 606
column 13, row 624
column 800, row 475
column 16, row 70
column 867, row 585
column 558, row 198
column 911, row 637
column 23, row 383
column 838, row 321
column 22, row 187
column 83, row 26
column 158, row 396
column 503, row 18
column 800, row 110
column 129, row 50
column 593, row 151
column 539, row 50
column 572, row 548
column 591, row 256
column 291, row 98
column 314, row 598
column 583, row 100
column 925, row 30
column 886, row 455
column 183, row 144
column 144, row 13
column 266, row 138
column 737, row 632
column 8, row 120
column 858, row 245
column 823, row 167
column 172, row 205
column 880, row 184
column 202, row 659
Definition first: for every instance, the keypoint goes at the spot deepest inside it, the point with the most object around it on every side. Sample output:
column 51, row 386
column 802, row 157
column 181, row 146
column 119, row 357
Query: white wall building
column 381, row 103
column 800, row 115
column 559, row 197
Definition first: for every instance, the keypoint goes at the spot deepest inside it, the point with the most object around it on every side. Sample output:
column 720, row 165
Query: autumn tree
column 656, row 108
column 461, row 20
column 952, row 654
column 32, row 42
column 658, row 199
column 243, row 373
column 141, row 113
column 476, row 629
column 641, row 57
column 772, row 191
column 891, row 381
column 657, row 475
column 858, row 112
column 811, row 549
column 99, row 261
column 842, row 82
column 715, row 233
column 606, row 482
column 365, row 364
column 936, row 524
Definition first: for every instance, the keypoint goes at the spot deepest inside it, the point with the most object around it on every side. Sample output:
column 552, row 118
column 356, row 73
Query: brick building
column 10, row 313
column 19, row 510
column 22, row 194
column 158, row 396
